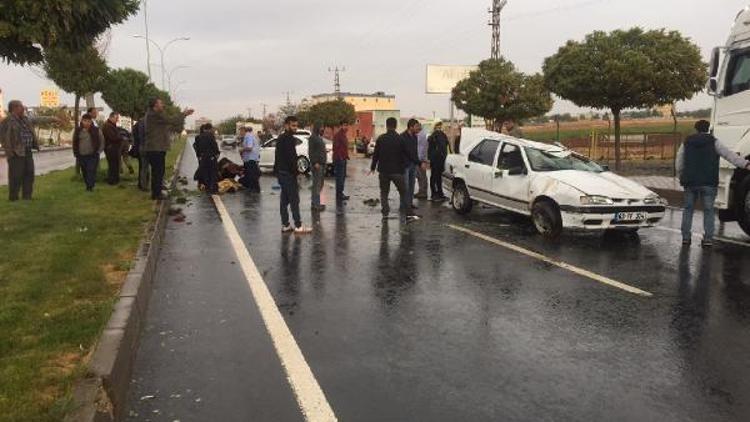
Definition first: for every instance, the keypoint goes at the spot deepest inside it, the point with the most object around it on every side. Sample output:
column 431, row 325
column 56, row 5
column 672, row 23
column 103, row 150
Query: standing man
column 318, row 160
column 422, row 168
column 390, row 159
column 437, row 153
column 409, row 138
column 698, row 166
column 18, row 139
column 285, row 167
column 250, row 152
column 340, row 157
column 139, row 137
column 158, row 129
column 94, row 113
column 512, row 129
column 112, row 148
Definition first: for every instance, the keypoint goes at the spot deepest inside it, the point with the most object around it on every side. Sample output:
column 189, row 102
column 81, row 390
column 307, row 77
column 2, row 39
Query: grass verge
column 63, row 258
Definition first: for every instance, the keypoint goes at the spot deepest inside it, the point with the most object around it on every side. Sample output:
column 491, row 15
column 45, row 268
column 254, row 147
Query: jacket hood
column 603, row 184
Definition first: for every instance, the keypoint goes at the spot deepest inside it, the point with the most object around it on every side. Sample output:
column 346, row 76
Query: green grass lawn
column 63, row 257
column 683, row 127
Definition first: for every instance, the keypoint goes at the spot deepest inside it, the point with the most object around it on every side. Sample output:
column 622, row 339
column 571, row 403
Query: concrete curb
column 101, row 396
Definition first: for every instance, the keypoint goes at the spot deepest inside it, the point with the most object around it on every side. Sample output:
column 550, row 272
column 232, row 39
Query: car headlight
column 596, row 200
column 655, row 200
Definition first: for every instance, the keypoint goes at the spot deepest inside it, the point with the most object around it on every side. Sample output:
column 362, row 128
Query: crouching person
column 207, row 152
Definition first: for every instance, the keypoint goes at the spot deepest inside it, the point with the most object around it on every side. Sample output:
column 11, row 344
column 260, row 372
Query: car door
column 268, row 153
column 479, row 171
column 510, row 183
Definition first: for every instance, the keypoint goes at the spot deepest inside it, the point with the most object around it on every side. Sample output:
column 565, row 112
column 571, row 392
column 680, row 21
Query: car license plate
column 630, row 216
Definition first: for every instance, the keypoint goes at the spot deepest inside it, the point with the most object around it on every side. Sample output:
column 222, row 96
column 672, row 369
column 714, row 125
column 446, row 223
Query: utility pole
column 497, row 8
column 288, row 98
column 264, row 105
column 337, row 79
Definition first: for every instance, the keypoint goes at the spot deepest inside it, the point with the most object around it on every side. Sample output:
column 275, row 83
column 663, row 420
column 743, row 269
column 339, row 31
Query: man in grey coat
column 18, row 139
column 159, row 128
column 318, row 160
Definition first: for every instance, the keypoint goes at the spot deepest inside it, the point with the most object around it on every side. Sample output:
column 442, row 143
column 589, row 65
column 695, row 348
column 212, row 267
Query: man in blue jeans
column 285, row 167
column 409, row 138
column 340, row 158
column 698, row 167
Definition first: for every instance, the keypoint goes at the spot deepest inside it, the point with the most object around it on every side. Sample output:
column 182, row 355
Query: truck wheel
column 547, row 219
column 460, row 200
column 303, row 165
column 743, row 209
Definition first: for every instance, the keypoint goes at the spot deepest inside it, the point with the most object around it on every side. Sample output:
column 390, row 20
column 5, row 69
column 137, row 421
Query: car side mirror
column 713, row 87
column 605, row 167
column 499, row 173
column 517, row 171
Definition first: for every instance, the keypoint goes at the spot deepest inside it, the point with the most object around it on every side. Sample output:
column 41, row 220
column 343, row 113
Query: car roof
column 471, row 137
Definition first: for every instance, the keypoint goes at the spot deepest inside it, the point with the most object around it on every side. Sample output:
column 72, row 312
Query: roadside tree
column 79, row 72
column 624, row 70
column 329, row 113
column 28, row 27
column 127, row 91
column 497, row 92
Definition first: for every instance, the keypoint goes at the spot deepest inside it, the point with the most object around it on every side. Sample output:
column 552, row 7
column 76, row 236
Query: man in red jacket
column 340, row 157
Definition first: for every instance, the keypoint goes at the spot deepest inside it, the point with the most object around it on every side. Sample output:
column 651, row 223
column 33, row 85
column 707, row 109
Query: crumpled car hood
column 605, row 184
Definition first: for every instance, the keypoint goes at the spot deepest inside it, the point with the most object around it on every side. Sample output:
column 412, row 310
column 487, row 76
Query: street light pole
column 148, row 47
column 162, row 52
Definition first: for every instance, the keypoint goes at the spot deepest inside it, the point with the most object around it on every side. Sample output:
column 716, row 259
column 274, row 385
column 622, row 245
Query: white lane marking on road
column 698, row 236
column 309, row 395
column 572, row 268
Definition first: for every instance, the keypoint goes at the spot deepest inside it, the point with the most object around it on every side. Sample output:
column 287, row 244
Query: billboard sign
column 49, row 98
column 441, row 79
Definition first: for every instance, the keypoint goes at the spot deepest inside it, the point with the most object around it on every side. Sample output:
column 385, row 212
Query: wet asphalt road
column 421, row 322
column 44, row 162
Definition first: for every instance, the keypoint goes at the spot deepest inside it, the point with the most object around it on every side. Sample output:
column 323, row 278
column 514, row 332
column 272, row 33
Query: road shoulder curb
column 102, row 394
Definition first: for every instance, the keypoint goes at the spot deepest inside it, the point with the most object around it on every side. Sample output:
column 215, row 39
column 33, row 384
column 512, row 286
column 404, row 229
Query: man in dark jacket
column 285, row 167
column 698, row 166
column 112, row 148
column 139, row 137
column 207, row 151
column 159, row 128
column 390, row 159
column 409, row 137
column 318, row 160
column 437, row 151
column 340, row 159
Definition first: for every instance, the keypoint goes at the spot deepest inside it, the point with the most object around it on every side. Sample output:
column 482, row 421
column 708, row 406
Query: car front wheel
column 461, row 201
column 303, row 165
column 547, row 219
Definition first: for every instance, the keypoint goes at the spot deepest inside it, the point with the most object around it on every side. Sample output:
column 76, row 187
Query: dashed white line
column 310, row 397
column 572, row 268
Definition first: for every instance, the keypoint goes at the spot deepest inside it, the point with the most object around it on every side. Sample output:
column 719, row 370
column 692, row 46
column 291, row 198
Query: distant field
column 577, row 130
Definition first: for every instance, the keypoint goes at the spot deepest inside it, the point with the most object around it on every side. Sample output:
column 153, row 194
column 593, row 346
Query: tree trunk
column 90, row 100
column 616, row 115
column 76, row 110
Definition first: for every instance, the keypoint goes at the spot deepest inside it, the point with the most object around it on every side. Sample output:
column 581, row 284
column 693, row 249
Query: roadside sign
column 49, row 98
column 441, row 79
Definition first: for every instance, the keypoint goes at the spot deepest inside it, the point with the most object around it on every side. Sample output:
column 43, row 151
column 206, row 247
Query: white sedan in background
column 555, row 186
column 268, row 154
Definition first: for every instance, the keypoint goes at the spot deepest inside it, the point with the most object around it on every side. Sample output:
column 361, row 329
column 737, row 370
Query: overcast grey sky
column 244, row 53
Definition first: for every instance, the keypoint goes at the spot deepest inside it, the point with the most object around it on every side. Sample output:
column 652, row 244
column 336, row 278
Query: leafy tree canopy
column 497, row 91
column 79, row 72
column 626, row 69
column 27, row 27
column 127, row 91
column 328, row 113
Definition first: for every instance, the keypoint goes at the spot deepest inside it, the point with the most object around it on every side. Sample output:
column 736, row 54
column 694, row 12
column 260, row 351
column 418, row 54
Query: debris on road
column 372, row 202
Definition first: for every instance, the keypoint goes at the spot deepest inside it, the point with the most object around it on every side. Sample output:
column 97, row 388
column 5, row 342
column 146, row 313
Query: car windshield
column 555, row 160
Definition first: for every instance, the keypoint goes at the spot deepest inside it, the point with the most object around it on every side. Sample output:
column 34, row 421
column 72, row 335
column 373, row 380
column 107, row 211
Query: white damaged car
column 556, row 187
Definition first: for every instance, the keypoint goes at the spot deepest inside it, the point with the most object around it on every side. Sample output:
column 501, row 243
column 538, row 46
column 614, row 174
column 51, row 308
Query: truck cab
column 729, row 84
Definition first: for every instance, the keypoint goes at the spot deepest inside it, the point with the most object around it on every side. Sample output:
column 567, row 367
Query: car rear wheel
column 743, row 208
column 460, row 200
column 547, row 219
column 303, row 165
